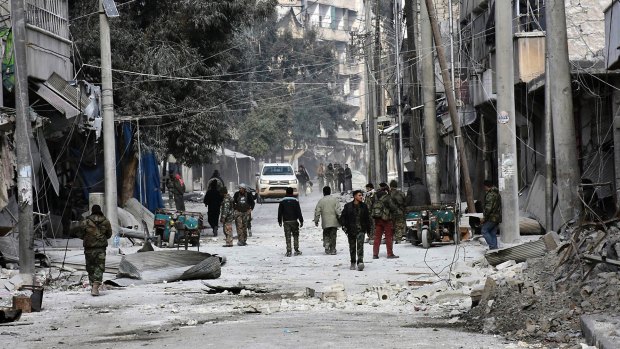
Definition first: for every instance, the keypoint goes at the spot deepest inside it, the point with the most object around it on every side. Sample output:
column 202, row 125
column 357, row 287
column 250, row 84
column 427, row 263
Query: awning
column 233, row 154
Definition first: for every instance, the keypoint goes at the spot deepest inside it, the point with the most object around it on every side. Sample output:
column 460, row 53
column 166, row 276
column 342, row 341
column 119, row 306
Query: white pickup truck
column 273, row 180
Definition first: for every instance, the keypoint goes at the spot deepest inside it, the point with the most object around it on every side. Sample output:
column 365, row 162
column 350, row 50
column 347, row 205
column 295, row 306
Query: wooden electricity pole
column 456, row 125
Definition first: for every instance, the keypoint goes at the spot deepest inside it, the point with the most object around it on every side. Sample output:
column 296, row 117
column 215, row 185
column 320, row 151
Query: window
column 277, row 171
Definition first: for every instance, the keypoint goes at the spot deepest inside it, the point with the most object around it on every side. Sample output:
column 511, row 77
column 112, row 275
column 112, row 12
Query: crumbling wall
column 585, row 28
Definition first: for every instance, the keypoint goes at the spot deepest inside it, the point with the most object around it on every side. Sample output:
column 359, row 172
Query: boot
column 215, row 231
column 360, row 266
column 352, row 267
column 94, row 291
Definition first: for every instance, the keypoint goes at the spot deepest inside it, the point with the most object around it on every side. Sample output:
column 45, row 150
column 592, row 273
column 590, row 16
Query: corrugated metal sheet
column 158, row 266
column 519, row 253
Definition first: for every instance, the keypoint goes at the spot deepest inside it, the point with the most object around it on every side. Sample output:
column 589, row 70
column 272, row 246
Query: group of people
column 224, row 209
column 369, row 217
column 336, row 177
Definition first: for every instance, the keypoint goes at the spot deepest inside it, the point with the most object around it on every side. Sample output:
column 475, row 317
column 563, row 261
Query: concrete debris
column 547, row 298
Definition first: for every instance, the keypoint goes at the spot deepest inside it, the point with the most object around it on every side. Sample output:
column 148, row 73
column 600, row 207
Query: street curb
column 601, row 330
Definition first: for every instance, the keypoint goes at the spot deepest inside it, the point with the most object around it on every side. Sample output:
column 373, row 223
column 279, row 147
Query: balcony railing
column 49, row 16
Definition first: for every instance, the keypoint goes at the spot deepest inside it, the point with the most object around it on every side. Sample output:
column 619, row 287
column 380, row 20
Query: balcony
column 346, row 4
column 47, row 33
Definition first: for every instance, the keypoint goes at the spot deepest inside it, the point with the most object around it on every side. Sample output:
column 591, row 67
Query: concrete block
column 337, row 296
column 601, row 330
column 506, row 264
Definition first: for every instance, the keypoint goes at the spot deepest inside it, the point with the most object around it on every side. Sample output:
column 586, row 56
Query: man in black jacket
column 289, row 213
column 356, row 224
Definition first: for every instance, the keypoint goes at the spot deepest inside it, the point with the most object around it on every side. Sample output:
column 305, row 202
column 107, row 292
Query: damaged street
column 266, row 300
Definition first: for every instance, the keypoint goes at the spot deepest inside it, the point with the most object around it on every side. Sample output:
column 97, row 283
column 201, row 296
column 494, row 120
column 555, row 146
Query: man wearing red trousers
column 383, row 211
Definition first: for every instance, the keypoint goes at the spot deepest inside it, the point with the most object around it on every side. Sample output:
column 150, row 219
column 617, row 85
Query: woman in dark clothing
column 213, row 200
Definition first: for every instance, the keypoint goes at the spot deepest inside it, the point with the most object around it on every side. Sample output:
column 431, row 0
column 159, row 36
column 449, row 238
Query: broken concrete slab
column 601, row 330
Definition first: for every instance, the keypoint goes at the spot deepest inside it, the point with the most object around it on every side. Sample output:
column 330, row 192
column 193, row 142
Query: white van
column 273, row 180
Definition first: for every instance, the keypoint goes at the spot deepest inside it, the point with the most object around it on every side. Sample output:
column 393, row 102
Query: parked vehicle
column 273, row 179
column 178, row 228
column 427, row 225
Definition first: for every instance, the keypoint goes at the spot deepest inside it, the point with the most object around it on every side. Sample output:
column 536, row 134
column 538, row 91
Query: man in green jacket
column 328, row 210
column 492, row 215
column 95, row 231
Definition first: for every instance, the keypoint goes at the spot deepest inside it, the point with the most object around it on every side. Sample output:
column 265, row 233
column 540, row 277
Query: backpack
column 380, row 209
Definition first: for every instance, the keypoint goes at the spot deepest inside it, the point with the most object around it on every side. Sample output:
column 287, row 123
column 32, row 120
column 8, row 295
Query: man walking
column 328, row 210
column 95, row 231
column 243, row 204
column 383, row 212
column 398, row 198
column 329, row 177
column 492, row 215
column 356, row 224
column 348, row 179
column 213, row 201
column 177, row 189
column 227, row 216
column 289, row 214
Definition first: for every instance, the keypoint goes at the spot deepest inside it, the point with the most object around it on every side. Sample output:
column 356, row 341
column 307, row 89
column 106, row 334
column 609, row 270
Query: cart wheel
column 171, row 238
column 426, row 242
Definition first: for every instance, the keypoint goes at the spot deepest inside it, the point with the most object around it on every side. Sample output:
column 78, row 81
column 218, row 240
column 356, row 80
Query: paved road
column 184, row 314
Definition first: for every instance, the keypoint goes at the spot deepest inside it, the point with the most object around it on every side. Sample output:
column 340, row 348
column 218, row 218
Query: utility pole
column 23, row 137
column 548, row 151
column 456, row 125
column 401, row 162
column 371, row 120
column 415, row 144
column 506, row 129
column 109, row 145
column 378, row 94
column 428, row 100
column 567, row 169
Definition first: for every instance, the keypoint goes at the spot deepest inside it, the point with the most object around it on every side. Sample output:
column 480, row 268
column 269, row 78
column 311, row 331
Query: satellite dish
column 110, row 8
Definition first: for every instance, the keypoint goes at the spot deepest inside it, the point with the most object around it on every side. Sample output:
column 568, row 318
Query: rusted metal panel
column 529, row 51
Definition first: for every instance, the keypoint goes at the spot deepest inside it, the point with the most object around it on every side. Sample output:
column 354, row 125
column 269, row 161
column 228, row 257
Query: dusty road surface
column 186, row 315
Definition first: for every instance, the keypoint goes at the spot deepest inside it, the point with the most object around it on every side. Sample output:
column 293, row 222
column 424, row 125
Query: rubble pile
column 543, row 299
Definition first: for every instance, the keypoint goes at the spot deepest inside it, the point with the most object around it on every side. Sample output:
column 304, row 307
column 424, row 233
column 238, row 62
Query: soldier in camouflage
column 492, row 215
column 227, row 216
column 369, row 198
column 95, row 231
column 243, row 204
column 399, row 199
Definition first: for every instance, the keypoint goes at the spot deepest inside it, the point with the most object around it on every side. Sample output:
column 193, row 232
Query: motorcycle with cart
column 178, row 228
column 433, row 224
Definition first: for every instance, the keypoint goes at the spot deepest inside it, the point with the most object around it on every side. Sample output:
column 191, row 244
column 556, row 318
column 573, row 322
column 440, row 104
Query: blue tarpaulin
column 92, row 175
column 151, row 183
